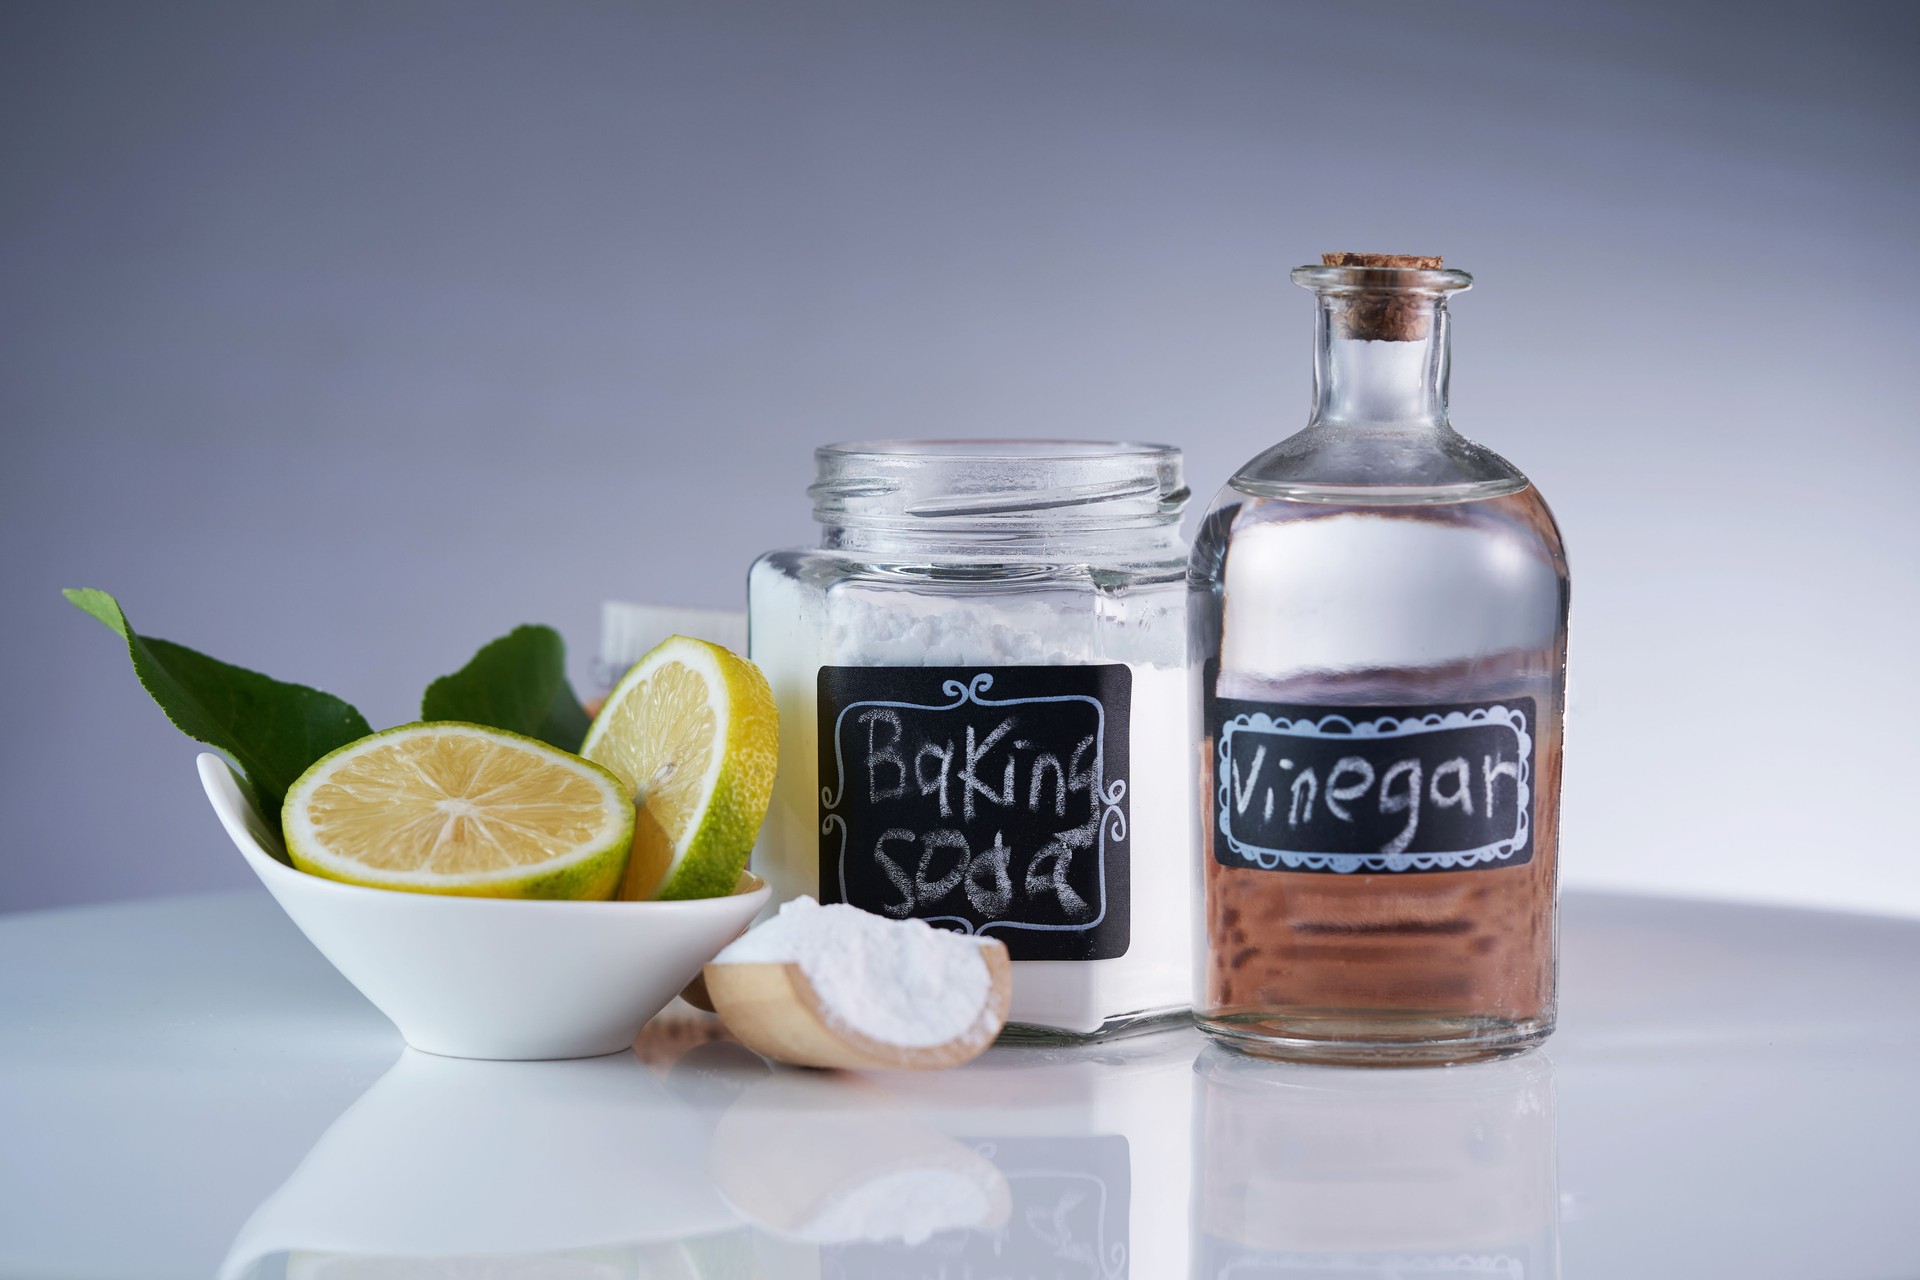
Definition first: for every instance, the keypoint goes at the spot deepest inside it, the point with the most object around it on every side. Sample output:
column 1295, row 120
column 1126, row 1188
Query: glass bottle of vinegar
column 1378, row 626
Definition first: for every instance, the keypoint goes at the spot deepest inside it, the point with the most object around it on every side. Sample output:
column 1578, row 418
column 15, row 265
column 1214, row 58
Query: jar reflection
column 1022, row 1165
column 1308, row 1171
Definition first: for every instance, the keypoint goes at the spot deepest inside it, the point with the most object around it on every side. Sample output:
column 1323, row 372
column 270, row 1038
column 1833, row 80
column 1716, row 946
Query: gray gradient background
column 338, row 338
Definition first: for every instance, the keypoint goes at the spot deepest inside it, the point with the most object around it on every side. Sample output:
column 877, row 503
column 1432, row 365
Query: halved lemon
column 459, row 808
column 693, row 731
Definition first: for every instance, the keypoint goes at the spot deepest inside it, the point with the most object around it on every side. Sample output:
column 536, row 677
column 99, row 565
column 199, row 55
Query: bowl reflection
column 453, row 1167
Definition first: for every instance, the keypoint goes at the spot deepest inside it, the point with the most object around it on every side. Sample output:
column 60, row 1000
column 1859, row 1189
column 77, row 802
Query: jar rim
column 991, row 448
column 1006, row 492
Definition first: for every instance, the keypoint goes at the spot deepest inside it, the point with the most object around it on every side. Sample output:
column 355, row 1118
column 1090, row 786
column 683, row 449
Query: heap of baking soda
column 899, row 982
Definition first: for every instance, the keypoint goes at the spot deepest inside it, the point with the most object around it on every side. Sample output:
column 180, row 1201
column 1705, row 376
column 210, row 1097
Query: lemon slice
column 693, row 732
column 458, row 808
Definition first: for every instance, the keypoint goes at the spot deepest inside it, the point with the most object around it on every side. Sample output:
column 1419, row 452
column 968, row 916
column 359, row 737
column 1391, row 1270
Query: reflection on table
column 1731, row 1093
column 1146, row 1158
column 509, row 1168
column 1317, row 1171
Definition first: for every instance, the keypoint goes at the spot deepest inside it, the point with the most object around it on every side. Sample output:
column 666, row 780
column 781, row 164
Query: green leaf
column 272, row 730
column 517, row 683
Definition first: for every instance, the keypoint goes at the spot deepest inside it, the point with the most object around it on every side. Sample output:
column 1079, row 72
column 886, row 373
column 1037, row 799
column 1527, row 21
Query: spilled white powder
column 903, row 982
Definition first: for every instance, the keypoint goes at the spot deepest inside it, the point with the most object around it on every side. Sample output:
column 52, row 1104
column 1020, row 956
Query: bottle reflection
column 1323, row 1172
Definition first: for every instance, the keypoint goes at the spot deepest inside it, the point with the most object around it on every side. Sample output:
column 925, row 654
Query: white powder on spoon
column 903, row 982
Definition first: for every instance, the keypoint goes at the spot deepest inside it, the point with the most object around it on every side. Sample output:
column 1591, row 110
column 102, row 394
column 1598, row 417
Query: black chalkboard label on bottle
column 991, row 800
column 1372, row 789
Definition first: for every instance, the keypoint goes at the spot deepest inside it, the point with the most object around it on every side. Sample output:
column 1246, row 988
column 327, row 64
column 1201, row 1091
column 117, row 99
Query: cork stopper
column 1415, row 261
column 1385, row 315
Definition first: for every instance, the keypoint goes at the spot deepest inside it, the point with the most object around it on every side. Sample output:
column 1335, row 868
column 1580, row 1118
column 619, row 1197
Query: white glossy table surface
column 187, row 1089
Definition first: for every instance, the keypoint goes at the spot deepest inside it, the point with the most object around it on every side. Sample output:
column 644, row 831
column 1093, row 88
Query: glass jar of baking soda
column 981, row 672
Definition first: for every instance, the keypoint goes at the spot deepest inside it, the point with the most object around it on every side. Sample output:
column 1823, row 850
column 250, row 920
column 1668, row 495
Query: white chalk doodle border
column 1340, row 727
column 1113, row 820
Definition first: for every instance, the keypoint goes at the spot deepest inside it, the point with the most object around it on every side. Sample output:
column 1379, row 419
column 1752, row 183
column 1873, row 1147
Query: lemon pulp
column 458, row 808
column 693, row 732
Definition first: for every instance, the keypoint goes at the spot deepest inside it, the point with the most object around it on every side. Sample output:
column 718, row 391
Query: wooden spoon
column 774, row 1010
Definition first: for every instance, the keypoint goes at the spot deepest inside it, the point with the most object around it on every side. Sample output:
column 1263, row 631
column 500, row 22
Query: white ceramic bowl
column 494, row 977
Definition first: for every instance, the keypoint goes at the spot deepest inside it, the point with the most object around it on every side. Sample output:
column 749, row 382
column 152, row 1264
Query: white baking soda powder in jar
column 981, row 673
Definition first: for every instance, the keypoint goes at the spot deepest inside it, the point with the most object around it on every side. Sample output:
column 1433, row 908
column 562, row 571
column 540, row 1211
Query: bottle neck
column 1379, row 434
column 1381, row 372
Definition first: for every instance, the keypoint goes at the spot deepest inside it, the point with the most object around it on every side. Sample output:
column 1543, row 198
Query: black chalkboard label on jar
column 991, row 800
column 1372, row 789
